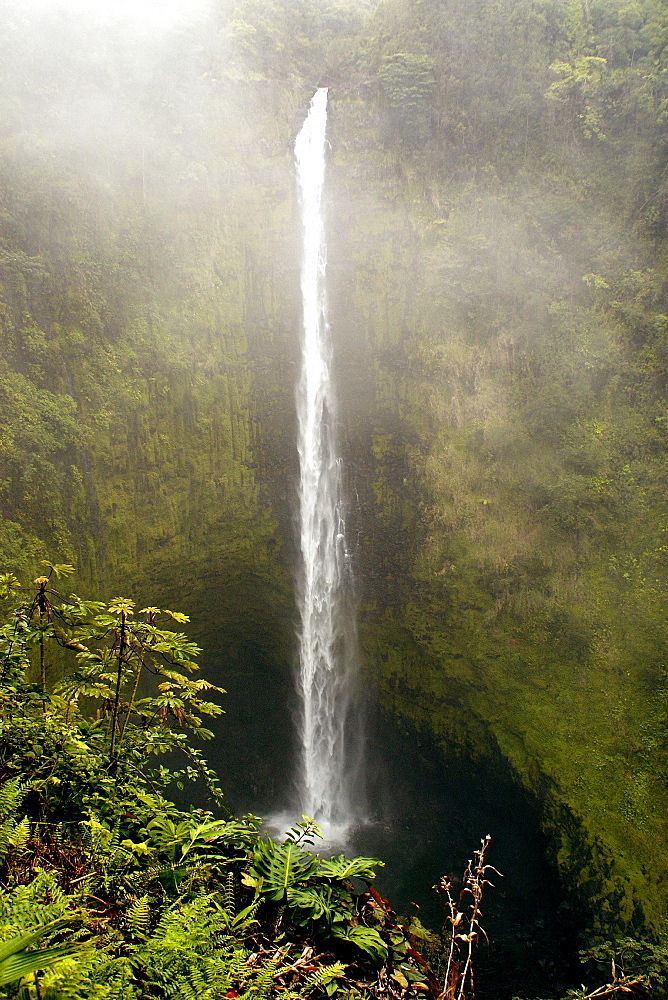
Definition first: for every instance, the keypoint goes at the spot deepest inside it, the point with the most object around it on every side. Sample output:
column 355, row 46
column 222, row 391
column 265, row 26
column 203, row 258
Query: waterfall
column 327, row 640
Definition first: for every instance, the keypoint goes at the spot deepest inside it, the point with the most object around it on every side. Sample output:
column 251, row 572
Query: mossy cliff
column 497, row 221
column 137, row 297
column 499, row 266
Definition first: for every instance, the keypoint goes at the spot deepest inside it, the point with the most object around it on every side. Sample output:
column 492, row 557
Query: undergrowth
column 109, row 891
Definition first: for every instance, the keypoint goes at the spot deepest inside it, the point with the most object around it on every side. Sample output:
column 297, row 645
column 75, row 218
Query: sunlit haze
column 157, row 13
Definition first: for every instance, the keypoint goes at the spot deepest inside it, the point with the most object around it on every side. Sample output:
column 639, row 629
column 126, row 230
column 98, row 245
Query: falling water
column 327, row 642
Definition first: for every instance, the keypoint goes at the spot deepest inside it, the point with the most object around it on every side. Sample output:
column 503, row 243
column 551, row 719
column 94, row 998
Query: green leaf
column 178, row 616
column 22, row 963
column 282, row 866
column 320, row 903
column 23, row 941
column 60, row 569
column 120, row 605
column 9, row 584
column 342, row 868
column 366, row 939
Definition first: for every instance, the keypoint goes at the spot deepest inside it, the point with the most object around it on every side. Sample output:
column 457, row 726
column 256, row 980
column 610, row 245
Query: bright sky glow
column 156, row 13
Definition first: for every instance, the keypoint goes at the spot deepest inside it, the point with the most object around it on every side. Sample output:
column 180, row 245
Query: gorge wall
column 497, row 244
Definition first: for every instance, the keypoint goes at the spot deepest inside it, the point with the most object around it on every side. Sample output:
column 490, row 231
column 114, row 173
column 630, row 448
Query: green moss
column 513, row 484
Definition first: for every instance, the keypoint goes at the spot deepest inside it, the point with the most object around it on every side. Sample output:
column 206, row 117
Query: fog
column 153, row 14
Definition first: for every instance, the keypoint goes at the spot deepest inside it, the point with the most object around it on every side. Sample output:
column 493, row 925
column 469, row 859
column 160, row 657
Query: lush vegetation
column 127, row 895
column 108, row 890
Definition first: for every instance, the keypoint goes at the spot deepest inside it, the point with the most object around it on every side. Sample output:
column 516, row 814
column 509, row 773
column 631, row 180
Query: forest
column 496, row 205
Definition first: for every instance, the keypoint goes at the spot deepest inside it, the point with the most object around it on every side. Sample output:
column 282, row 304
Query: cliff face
column 501, row 274
column 497, row 300
column 148, row 275
column 145, row 238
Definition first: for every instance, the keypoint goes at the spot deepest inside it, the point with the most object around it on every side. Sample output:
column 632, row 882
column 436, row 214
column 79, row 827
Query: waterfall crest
column 327, row 639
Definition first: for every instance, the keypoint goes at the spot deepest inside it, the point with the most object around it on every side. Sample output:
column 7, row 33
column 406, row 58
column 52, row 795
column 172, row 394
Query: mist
column 144, row 15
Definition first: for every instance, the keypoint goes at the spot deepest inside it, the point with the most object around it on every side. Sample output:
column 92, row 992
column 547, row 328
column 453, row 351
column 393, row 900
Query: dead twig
column 465, row 927
column 624, row 984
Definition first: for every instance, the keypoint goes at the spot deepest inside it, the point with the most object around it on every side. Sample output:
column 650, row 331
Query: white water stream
column 327, row 640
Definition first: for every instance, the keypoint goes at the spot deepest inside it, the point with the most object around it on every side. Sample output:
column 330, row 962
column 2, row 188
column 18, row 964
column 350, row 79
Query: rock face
column 496, row 258
column 504, row 462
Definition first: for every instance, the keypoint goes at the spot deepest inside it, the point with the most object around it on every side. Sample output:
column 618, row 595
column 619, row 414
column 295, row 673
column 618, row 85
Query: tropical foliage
column 107, row 889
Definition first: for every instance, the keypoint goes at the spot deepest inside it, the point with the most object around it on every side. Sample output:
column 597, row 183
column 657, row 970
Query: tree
column 114, row 649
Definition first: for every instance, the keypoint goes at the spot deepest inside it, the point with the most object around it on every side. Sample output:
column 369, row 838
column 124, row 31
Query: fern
column 191, row 922
column 25, row 906
column 227, row 893
column 322, row 977
column 10, row 796
column 104, row 845
column 138, row 917
column 238, row 965
column 188, row 955
column 20, row 834
column 94, row 975
column 13, row 833
column 260, row 986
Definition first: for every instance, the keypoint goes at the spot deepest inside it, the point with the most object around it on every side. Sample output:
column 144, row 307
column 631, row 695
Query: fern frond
column 188, row 991
column 261, row 985
column 19, row 836
column 139, row 915
column 94, row 976
column 13, row 833
column 322, row 977
column 23, row 908
column 5, row 835
column 11, row 794
column 238, row 964
column 227, row 893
